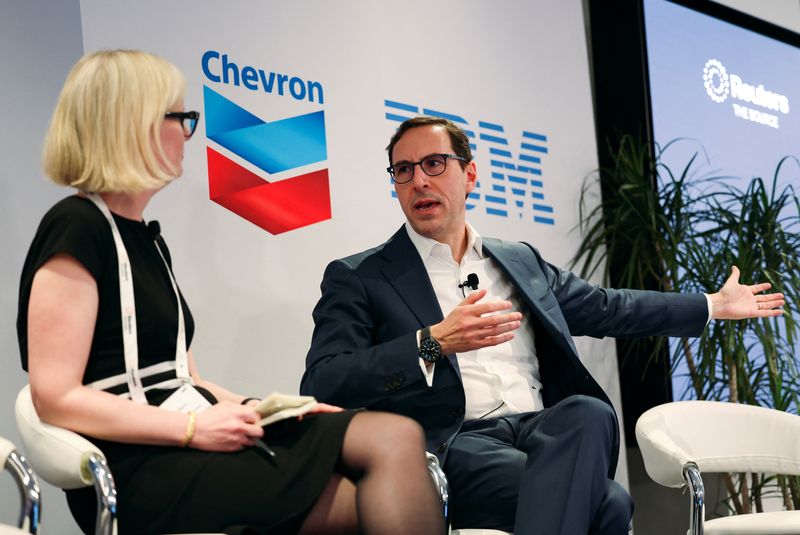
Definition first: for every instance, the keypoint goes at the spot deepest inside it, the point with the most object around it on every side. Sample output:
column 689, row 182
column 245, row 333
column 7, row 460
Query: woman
column 118, row 131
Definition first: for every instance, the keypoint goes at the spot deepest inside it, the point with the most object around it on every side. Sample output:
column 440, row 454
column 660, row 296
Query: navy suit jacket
column 364, row 348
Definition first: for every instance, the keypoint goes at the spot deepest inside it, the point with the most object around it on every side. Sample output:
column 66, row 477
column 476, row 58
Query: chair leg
column 697, row 513
column 29, row 491
column 443, row 489
column 106, row 523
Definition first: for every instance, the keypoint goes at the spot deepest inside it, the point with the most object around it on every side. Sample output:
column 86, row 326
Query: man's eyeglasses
column 188, row 120
column 431, row 165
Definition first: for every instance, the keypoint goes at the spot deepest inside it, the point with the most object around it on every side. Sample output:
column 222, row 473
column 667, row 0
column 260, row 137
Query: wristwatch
column 429, row 348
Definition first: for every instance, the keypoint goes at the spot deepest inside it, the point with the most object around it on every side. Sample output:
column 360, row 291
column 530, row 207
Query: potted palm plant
column 682, row 230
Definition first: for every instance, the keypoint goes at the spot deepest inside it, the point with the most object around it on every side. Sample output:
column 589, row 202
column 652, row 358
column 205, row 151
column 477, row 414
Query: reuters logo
column 715, row 78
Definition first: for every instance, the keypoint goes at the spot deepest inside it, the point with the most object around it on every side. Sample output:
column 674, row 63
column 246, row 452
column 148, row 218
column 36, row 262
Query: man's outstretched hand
column 735, row 301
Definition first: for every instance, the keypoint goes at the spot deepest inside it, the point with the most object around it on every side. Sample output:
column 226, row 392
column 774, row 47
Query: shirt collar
column 425, row 245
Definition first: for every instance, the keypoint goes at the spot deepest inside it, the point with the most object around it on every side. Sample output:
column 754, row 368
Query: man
column 528, row 439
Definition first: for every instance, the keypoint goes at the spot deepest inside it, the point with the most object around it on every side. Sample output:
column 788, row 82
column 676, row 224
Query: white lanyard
column 128, row 308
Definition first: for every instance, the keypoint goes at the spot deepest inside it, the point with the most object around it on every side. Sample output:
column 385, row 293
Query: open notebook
column 277, row 406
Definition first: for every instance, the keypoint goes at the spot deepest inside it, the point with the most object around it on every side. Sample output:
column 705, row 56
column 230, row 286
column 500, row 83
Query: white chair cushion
column 777, row 523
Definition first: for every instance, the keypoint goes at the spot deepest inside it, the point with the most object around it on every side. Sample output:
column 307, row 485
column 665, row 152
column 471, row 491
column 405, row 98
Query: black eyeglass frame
column 414, row 165
column 182, row 116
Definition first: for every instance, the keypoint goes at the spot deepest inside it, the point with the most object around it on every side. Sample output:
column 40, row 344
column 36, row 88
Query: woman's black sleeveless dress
column 170, row 489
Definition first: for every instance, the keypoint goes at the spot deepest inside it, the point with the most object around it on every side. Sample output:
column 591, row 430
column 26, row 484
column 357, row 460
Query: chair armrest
column 59, row 456
column 663, row 458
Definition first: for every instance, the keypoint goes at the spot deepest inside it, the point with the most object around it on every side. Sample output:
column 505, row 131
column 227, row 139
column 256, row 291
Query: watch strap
column 425, row 333
column 429, row 348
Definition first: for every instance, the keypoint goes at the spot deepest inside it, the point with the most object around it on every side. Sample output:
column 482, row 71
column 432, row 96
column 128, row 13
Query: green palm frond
column 681, row 230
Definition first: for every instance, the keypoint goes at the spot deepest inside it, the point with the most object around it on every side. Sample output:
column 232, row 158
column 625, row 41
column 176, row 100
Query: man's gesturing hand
column 736, row 301
column 472, row 325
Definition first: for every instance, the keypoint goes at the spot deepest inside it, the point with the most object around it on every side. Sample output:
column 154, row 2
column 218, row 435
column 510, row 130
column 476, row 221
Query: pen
column 263, row 447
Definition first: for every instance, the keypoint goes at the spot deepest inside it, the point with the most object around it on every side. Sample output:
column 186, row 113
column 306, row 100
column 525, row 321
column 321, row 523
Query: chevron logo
column 273, row 147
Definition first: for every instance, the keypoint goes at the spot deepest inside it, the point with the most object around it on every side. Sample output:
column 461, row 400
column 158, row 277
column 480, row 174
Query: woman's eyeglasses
column 188, row 120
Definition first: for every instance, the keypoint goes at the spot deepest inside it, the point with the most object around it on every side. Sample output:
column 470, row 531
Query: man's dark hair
column 458, row 139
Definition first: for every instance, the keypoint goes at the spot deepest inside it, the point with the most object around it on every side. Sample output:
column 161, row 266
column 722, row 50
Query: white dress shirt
column 498, row 380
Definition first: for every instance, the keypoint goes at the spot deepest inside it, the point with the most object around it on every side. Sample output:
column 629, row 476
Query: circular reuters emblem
column 715, row 78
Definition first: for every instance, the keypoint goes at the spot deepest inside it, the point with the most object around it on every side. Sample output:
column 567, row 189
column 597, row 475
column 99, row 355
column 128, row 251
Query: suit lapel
column 531, row 287
column 407, row 275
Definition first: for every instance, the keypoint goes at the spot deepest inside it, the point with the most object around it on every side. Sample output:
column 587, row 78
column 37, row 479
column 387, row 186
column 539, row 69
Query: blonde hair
column 104, row 135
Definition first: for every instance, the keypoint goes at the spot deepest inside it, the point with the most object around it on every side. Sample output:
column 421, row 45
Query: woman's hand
column 253, row 403
column 226, row 426
column 320, row 408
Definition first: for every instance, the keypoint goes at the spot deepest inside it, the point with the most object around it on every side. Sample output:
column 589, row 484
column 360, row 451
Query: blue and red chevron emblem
column 273, row 147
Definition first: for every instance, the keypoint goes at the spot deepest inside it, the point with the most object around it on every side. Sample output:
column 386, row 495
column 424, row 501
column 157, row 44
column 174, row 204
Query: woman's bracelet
column 190, row 429
column 245, row 401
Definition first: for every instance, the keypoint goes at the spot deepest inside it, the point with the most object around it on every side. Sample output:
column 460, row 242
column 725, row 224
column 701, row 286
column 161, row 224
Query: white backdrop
column 518, row 65
column 41, row 39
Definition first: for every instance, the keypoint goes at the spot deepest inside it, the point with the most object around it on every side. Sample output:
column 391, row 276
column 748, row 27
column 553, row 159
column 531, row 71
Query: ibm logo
column 515, row 188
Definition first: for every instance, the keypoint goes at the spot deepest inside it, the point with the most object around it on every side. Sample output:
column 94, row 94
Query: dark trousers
column 539, row 473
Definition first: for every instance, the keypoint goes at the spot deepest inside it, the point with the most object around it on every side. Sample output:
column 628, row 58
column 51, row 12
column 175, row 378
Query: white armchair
column 28, row 486
column 67, row 460
column 680, row 440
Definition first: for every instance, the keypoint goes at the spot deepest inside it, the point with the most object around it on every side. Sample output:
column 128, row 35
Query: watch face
column 430, row 350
